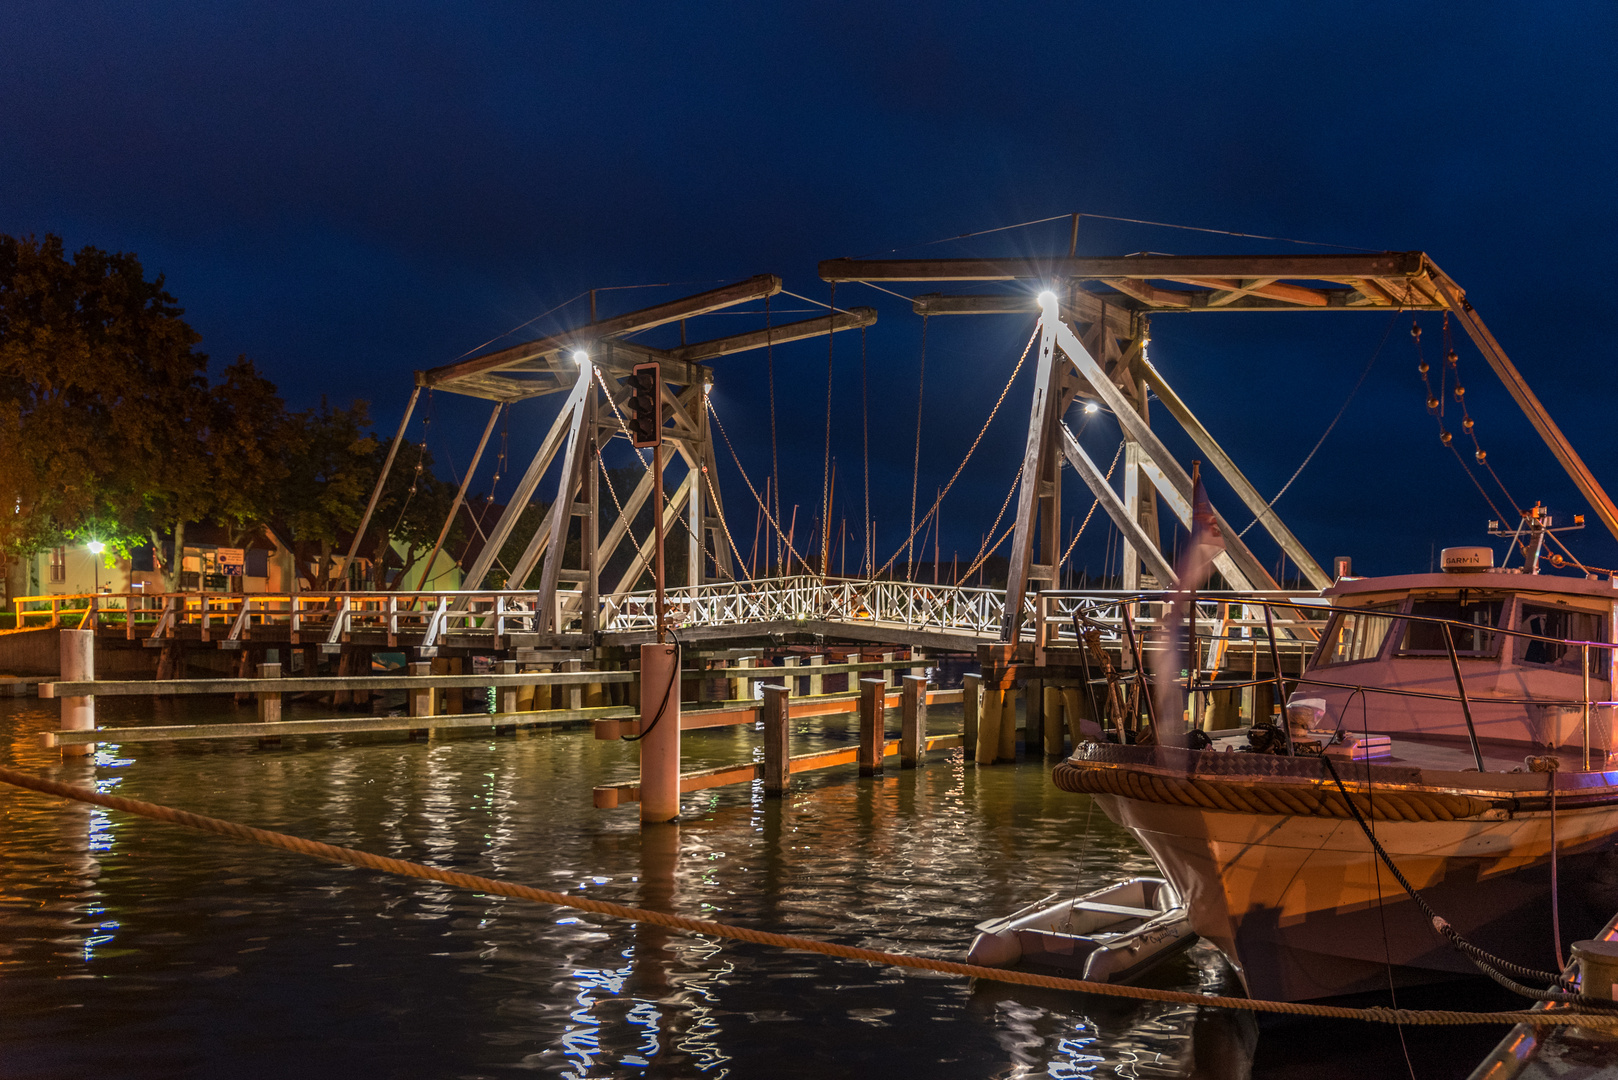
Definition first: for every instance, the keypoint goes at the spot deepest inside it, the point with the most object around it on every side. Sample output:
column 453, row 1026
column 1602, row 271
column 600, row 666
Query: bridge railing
column 312, row 616
column 803, row 597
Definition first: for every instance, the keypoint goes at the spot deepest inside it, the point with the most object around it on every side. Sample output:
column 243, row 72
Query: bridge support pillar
column 1008, row 725
column 660, row 733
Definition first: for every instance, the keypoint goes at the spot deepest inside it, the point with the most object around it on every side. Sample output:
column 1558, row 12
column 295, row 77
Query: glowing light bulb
column 580, row 357
column 1047, row 297
column 1091, row 407
column 96, row 547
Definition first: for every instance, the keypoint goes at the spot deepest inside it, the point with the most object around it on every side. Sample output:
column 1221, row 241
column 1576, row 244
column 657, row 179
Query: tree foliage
column 110, row 430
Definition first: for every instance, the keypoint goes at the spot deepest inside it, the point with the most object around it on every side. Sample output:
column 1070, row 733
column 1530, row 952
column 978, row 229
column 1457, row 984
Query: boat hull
column 1302, row 908
column 1299, row 902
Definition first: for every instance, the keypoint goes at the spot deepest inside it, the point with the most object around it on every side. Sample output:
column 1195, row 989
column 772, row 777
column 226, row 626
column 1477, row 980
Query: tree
column 331, row 467
column 98, row 381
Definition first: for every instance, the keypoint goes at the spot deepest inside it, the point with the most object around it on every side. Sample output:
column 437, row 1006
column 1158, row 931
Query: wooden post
column 971, row 706
column 575, row 692
column 777, row 740
column 78, row 658
column 421, row 701
column 989, row 720
column 890, row 675
column 1055, row 737
column 790, row 681
column 455, row 697
column 1008, row 726
column 917, row 654
column 913, row 727
column 873, row 739
column 269, row 704
column 660, row 733
column 1033, row 723
column 741, row 689
column 506, row 696
column 1076, row 704
column 817, row 683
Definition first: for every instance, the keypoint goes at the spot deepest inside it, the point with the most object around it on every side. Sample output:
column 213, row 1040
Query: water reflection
column 268, row 964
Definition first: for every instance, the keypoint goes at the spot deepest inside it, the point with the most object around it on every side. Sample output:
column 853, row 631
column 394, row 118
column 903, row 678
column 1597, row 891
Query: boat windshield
column 1568, row 625
column 1356, row 635
column 1425, row 638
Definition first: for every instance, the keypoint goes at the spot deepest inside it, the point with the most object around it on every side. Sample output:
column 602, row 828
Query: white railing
column 803, row 598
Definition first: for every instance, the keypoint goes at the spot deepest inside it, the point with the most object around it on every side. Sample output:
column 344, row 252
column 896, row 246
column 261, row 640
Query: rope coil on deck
column 1312, row 799
column 491, row 886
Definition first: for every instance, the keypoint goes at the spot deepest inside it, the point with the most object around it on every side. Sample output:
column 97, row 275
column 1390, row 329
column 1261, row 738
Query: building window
column 58, row 565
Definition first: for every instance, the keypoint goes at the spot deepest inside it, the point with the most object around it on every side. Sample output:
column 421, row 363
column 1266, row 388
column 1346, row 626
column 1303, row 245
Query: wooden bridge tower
column 591, row 364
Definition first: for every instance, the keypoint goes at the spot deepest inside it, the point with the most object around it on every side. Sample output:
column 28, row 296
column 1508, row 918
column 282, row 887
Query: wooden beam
column 1226, row 467
column 852, row 319
column 1079, row 306
column 1132, row 267
column 754, row 288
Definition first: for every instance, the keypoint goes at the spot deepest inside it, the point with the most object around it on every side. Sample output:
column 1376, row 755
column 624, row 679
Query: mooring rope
column 351, row 857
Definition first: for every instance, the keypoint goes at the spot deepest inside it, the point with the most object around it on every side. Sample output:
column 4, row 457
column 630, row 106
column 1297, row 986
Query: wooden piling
column 741, row 688
column 78, row 662
column 988, row 740
column 1008, row 726
column 659, row 733
column 1077, row 706
column 575, row 693
column 1055, row 733
column 913, row 725
column 269, row 704
column 506, row 696
column 421, row 701
column 971, row 706
column 1033, row 723
column 777, row 740
column 873, row 739
column 817, row 683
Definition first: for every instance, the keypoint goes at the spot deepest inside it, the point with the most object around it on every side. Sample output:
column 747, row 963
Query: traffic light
column 645, row 409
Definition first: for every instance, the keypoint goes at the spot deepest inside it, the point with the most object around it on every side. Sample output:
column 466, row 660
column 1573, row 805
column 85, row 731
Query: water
column 130, row 948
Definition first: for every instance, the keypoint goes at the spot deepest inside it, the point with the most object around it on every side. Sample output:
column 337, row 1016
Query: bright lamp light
column 96, row 547
column 1047, row 297
column 580, row 356
column 1091, row 407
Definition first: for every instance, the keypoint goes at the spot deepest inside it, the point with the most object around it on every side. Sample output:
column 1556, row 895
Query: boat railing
column 1134, row 623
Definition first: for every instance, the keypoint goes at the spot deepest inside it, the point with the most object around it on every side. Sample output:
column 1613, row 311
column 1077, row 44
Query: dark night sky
column 347, row 193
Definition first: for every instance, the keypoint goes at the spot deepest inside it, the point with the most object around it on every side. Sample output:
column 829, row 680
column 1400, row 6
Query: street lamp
column 96, row 548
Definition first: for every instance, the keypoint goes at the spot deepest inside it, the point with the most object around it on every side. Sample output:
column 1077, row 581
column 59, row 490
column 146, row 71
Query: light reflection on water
column 131, row 949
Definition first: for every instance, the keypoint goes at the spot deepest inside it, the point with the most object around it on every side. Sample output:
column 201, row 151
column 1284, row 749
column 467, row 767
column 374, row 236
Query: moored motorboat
column 1492, row 691
column 1109, row 935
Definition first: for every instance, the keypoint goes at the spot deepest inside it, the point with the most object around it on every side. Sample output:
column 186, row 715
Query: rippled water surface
column 130, row 948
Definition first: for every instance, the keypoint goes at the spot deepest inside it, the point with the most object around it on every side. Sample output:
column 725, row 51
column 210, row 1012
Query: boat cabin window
column 1473, row 639
column 1565, row 625
column 1355, row 635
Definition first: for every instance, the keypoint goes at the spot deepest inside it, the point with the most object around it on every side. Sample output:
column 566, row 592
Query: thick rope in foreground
column 351, row 857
